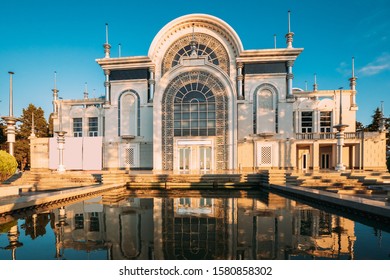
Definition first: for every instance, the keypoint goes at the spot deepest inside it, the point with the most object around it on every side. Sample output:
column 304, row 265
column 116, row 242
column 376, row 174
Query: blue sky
column 40, row 37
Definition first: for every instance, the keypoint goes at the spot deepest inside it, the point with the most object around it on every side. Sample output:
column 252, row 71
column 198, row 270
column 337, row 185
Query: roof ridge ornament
column 193, row 43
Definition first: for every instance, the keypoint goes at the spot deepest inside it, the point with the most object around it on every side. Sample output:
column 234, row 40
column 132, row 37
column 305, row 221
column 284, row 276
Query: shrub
column 8, row 165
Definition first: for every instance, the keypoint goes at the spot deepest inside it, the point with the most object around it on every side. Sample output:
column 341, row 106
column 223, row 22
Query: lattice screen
column 264, row 155
column 130, row 156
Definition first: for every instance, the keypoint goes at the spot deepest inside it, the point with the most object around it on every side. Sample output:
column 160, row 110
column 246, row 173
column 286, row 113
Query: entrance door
column 325, row 161
column 305, row 161
column 184, row 159
column 205, row 159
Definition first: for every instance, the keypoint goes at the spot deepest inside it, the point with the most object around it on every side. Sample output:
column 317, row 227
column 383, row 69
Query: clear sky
column 42, row 36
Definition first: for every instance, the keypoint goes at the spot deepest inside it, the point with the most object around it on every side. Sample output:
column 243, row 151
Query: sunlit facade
column 198, row 101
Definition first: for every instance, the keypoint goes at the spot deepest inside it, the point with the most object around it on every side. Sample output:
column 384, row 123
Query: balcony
column 327, row 135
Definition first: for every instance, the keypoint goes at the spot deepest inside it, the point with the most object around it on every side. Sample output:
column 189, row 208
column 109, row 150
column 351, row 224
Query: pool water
column 259, row 225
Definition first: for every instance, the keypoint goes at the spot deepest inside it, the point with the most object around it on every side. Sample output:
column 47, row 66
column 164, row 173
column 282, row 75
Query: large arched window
column 194, row 111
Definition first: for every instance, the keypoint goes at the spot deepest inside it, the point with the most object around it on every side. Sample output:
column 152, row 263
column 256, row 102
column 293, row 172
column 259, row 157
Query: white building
column 198, row 101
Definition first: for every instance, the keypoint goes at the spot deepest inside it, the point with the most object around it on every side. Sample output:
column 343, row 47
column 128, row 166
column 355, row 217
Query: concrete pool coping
column 375, row 207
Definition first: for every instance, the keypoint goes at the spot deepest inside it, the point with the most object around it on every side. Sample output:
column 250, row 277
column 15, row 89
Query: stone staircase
column 196, row 181
column 341, row 183
column 43, row 181
column 369, row 178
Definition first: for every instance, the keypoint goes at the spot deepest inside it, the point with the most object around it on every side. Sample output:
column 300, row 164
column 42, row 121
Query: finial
column 119, row 50
column 106, row 33
column 305, row 85
column 55, row 79
column 289, row 35
column 353, row 79
column 274, row 41
column 315, row 85
column 11, row 106
column 193, row 43
column 107, row 46
column 86, row 91
column 289, row 24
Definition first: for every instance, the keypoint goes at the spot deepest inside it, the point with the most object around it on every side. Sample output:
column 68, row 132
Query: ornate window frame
column 221, row 105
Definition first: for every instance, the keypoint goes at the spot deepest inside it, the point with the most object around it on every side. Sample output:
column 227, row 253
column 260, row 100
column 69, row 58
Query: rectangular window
column 78, row 127
column 93, row 127
column 307, row 122
column 325, row 121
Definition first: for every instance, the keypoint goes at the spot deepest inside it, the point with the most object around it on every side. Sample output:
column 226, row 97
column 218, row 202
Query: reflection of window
column 79, row 221
column 194, row 111
column 205, row 202
column 307, row 122
column 185, row 201
column 94, row 221
column 77, row 127
column 93, row 127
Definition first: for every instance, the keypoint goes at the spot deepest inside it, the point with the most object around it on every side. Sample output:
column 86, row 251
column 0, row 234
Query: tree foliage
column 376, row 121
column 8, row 165
column 41, row 129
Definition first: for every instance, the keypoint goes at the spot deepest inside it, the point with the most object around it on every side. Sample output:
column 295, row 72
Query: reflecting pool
column 241, row 225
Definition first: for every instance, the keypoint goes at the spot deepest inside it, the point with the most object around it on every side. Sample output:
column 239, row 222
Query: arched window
column 206, row 46
column 129, row 114
column 265, row 109
column 194, row 111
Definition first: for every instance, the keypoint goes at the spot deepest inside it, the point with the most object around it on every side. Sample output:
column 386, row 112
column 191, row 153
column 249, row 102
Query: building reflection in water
column 262, row 227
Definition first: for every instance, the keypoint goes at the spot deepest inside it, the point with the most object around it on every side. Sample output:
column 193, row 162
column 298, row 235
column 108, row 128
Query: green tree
column 376, row 121
column 22, row 144
column 359, row 126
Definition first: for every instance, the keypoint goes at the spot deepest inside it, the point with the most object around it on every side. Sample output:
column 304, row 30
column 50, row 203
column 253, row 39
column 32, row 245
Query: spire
column 289, row 36
column 352, row 80
column 107, row 46
column 120, row 50
column 315, row 85
column 341, row 107
column 86, row 91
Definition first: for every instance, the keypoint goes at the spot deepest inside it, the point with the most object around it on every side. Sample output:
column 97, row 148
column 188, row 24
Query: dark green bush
column 8, row 165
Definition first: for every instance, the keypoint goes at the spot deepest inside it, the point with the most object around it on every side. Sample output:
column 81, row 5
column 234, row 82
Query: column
column 316, row 156
column 107, row 85
column 240, row 78
column 151, row 83
column 290, row 77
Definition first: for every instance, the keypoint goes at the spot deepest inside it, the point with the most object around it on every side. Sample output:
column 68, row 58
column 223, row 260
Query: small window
column 307, row 122
column 93, row 127
column 78, row 127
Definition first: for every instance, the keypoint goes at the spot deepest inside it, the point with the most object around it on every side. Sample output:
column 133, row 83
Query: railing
column 326, row 135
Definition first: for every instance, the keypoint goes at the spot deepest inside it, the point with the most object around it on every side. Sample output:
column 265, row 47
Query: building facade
column 199, row 102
